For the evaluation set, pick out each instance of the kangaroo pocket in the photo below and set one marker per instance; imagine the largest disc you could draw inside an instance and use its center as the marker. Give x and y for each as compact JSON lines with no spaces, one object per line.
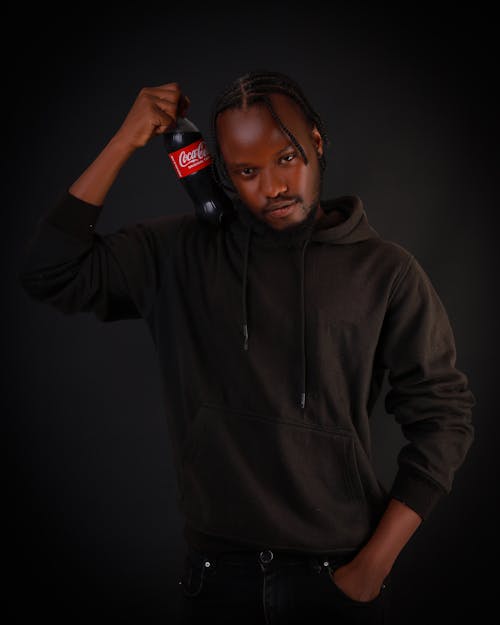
{"x":273,"y":482}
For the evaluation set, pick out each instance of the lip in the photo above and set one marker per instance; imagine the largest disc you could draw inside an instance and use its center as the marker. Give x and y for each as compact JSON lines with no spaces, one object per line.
{"x":281,"y":209}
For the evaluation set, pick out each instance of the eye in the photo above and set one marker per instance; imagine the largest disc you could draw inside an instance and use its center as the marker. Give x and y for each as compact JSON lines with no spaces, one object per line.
{"x":288,"y":158}
{"x":246,"y":172}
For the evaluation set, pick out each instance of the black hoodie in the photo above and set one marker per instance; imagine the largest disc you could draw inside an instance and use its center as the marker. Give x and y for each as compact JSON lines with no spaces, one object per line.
{"x":272,"y":354}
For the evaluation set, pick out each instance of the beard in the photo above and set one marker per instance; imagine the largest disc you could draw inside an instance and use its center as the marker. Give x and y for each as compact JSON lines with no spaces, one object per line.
{"x":289,"y":235}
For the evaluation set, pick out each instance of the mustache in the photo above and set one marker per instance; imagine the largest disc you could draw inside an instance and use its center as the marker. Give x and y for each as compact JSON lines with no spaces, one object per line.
{"x":281,"y":200}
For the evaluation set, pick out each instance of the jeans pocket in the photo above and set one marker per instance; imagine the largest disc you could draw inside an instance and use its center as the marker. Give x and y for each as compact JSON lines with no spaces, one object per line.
{"x":349,"y":600}
{"x":192,"y":577}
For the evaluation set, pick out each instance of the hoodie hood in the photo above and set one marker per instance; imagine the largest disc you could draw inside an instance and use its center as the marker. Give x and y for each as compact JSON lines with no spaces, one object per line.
{"x":353,"y":227}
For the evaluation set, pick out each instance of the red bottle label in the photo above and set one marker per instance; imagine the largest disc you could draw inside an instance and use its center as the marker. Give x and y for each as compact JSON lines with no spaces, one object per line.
{"x":190,"y":159}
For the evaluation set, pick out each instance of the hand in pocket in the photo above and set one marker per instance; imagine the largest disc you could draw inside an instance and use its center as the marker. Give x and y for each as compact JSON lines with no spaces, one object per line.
{"x":357,"y":582}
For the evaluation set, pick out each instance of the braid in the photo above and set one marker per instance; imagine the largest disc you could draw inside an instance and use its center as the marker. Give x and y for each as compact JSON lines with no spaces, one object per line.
{"x":256,"y":87}
{"x":284,"y":128}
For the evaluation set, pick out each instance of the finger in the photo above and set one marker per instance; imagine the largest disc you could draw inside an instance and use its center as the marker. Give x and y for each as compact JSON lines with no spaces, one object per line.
{"x":169,"y":90}
{"x":166,"y":107}
{"x":160,"y":130}
{"x":169,"y":103}
{"x":163,"y":120}
{"x":179,"y":102}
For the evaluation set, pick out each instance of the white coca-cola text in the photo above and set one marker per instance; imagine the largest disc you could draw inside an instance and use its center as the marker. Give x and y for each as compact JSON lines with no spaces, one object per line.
{"x":199,"y":153}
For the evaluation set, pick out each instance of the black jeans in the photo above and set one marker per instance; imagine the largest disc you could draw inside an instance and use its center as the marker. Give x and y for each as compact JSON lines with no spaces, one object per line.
{"x":272,"y":588}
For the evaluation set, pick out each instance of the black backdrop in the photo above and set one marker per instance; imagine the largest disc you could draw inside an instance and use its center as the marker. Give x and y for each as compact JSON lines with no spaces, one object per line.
{"x":92,"y":532}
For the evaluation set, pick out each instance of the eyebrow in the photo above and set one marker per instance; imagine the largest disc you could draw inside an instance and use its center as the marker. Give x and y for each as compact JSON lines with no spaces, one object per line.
{"x":287,"y":147}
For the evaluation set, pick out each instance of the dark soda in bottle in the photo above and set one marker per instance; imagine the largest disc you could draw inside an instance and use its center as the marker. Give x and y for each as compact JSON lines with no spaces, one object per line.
{"x":192,"y":163}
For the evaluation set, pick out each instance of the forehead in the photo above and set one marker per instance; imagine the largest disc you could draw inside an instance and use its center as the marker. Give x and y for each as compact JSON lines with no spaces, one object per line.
{"x":254,"y":127}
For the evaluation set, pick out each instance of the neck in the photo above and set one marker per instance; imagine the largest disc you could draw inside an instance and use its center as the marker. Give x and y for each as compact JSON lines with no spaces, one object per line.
{"x":294,"y":234}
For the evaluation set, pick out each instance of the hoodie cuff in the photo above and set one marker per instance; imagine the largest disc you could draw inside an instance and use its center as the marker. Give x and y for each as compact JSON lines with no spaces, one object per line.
{"x":74,"y":216}
{"x":416,"y":491}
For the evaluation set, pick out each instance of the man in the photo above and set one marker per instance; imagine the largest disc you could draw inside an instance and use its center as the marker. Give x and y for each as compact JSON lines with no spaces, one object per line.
{"x":273,"y":333}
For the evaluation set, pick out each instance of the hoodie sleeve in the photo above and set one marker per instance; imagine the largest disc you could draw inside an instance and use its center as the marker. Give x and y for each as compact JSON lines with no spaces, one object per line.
{"x":70,"y":266}
{"x":429,"y":396}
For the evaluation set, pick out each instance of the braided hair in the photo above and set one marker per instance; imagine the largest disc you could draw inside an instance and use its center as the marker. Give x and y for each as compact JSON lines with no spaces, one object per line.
{"x":257,"y":87}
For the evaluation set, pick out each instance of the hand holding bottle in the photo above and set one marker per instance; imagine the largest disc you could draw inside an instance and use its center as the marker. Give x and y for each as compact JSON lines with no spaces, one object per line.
{"x":154,"y":111}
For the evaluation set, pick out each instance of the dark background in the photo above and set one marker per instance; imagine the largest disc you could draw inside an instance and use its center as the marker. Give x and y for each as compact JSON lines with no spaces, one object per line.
{"x":92,"y":532}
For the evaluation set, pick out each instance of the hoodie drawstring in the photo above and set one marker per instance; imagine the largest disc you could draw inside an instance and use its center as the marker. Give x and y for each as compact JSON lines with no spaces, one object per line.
{"x":303,"y":327}
{"x":302,"y":312}
{"x":244,"y":290}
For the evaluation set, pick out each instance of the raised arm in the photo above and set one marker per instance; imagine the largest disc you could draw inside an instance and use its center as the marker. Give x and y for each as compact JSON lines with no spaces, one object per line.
{"x":154,"y":110}
{"x":70,"y":266}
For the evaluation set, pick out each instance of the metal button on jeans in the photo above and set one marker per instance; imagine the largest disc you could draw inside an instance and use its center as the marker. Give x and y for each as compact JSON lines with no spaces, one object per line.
{"x":266,"y":556}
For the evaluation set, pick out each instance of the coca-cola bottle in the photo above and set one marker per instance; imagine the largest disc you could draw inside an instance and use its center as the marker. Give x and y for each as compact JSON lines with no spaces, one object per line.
{"x":192,"y":164}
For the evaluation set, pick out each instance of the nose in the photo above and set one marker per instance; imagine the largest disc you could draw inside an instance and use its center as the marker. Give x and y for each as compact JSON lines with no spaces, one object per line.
{"x":273,"y":183}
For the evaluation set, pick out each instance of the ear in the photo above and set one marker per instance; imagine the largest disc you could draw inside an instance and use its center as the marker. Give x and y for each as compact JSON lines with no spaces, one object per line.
{"x":317,"y":140}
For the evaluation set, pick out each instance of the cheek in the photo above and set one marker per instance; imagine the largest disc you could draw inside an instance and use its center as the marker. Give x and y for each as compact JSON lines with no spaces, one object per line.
{"x":248,"y":190}
{"x":302,"y":177}
{"x":306,"y":180}
{"x":314,"y":174}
